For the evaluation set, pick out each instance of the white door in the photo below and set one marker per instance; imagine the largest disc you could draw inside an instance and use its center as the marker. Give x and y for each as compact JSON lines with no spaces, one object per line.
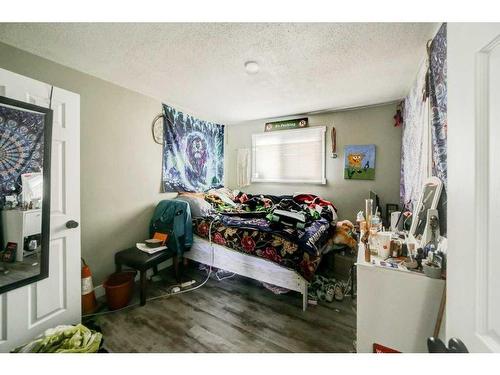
{"x":28,"y":311}
{"x":473,"y":306}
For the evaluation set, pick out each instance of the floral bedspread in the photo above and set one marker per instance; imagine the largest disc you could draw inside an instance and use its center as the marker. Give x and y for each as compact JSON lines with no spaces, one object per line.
{"x":261,"y":243}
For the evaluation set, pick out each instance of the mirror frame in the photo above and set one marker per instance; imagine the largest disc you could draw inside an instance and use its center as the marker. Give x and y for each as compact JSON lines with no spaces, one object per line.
{"x":47,"y":146}
{"x":435,"y":200}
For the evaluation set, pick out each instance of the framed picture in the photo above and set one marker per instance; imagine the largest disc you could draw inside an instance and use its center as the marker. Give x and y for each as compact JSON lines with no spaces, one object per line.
{"x":359,"y":162}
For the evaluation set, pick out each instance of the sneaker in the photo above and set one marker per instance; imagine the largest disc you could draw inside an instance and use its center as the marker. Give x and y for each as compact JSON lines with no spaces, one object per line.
{"x":330,"y":292}
{"x":338,"y":293}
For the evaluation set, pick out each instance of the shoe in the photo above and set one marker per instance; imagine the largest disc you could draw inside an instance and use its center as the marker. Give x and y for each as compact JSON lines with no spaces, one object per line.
{"x":338,"y":293}
{"x":330,"y":292}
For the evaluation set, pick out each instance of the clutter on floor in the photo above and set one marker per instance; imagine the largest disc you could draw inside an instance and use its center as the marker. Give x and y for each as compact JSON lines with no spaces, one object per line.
{"x":327,"y":289}
{"x":64,"y":339}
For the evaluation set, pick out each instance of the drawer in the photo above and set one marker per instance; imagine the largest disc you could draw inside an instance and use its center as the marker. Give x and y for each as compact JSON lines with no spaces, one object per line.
{"x":32,"y":223}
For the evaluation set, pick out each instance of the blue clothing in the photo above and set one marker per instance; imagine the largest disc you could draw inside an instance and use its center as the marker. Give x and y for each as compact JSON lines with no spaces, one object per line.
{"x":173,"y":217}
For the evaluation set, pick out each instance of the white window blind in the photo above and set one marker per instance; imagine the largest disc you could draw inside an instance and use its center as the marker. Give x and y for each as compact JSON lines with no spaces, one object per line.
{"x":294,"y":156}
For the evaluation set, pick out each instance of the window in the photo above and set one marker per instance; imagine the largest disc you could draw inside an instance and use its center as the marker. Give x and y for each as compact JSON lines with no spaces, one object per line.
{"x":293,"y":156}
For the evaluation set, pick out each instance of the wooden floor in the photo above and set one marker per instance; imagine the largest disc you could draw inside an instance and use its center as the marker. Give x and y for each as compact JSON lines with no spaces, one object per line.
{"x":233,"y":315}
{"x":13,"y":272}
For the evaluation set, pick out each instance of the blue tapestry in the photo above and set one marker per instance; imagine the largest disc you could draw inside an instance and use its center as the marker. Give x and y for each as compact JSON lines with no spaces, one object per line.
{"x":439,"y":123}
{"x":21,"y":147}
{"x":193,"y":153}
{"x":438,"y":97}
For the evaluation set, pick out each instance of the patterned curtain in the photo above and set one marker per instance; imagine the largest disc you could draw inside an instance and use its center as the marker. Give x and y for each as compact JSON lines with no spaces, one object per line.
{"x":414,"y":144}
{"x":422,"y":116}
{"x":438,"y":101}
{"x":439,"y":122}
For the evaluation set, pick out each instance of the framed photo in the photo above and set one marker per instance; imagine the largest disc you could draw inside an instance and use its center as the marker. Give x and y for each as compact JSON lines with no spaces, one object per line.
{"x":359,"y":162}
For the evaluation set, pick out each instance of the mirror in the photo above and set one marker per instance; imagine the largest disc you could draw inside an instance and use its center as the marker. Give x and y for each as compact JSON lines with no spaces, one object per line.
{"x":429,"y":198}
{"x":25,"y":140}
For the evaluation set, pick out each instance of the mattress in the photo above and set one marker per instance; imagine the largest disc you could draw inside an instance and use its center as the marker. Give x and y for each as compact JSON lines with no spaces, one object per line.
{"x":253,"y":237}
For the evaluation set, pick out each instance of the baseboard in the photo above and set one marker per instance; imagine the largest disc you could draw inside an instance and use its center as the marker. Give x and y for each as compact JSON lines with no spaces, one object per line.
{"x":99,"y":289}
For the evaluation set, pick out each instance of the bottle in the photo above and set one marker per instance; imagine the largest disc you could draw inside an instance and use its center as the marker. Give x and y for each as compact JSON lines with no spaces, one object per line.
{"x":368,"y":212}
{"x":360,"y":220}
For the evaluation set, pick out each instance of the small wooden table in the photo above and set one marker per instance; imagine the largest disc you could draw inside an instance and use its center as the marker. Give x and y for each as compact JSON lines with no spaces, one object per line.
{"x":142,"y":261}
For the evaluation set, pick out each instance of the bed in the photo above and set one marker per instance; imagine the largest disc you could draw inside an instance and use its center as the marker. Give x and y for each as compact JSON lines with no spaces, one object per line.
{"x":247,"y":241}
{"x":246,"y":265}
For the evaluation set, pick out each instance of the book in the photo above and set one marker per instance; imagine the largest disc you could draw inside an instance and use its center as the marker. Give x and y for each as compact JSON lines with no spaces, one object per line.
{"x":149,"y":250}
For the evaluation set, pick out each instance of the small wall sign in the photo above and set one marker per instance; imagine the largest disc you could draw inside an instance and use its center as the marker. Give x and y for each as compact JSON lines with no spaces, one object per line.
{"x":287,"y":124}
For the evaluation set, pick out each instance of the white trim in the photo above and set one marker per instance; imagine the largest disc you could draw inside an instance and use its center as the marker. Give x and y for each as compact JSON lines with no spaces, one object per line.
{"x":247,"y":265}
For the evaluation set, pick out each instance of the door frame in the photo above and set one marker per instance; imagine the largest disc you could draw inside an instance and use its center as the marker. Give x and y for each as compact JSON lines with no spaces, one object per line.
{"x":470,"y":303}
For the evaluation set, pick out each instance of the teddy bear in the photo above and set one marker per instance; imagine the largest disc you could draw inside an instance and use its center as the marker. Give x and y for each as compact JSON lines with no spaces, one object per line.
{"x":344,"y":234}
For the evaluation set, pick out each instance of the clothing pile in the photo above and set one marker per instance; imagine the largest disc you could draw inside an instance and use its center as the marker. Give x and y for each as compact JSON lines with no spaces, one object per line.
{"x":64,"y":339}
{"x":239,"y":203}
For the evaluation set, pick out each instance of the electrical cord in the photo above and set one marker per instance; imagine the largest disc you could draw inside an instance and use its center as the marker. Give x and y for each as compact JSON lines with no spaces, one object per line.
{"x":223,"y":277}
{"x":217,"y":217}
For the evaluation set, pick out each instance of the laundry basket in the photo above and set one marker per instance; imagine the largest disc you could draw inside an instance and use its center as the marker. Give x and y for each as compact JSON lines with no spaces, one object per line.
{"x":119,"y":289}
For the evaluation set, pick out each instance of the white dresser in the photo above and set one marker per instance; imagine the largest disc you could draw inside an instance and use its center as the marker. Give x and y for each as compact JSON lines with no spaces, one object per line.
{"x":18,"y":224}
{"x":397,"y":309}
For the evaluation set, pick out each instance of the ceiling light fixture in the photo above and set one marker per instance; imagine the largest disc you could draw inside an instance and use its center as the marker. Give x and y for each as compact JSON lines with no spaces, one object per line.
{"x":251,"y":67}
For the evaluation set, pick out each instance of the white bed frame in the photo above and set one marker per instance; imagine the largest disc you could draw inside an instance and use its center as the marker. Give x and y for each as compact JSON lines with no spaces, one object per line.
{"x":247,"y":265}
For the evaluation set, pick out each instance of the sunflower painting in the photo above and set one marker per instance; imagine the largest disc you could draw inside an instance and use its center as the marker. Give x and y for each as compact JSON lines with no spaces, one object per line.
{"x":359,"y":162}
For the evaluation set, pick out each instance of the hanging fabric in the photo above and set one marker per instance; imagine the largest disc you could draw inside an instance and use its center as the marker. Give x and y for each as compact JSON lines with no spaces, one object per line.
{"x":415,"y":141}
{"x":438,"y":102}
{"x":424,"y":149}
{"x":193,"y":153}
{"x":243,"y":172}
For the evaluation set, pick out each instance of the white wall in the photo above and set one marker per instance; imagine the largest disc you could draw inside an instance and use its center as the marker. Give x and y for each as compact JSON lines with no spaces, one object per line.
{"x":373,"y":125}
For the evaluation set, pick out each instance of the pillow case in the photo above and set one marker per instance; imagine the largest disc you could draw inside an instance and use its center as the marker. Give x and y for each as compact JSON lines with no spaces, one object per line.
{"x":199,"y":206}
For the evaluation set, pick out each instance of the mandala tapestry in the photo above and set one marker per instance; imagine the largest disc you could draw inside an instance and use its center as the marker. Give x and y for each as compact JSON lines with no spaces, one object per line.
{"x":21,"y":147}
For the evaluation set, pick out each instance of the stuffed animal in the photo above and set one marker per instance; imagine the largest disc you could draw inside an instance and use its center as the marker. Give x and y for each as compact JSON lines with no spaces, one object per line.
{"x":344,"y":235}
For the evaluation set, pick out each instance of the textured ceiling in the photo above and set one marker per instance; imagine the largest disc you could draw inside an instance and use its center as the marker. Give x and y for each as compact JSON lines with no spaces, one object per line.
{"x":200,"y":67}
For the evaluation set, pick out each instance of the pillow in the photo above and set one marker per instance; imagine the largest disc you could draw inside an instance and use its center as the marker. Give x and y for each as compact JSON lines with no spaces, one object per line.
{"x":186,"y":193}
{"x":199,"y":207}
